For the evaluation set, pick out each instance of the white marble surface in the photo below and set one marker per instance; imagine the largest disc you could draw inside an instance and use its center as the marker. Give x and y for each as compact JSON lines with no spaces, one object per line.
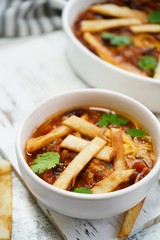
{"x":27,"y":76}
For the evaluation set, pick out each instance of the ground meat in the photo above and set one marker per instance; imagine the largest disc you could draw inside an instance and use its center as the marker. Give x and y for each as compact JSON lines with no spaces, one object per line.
{"x":95,"y":171}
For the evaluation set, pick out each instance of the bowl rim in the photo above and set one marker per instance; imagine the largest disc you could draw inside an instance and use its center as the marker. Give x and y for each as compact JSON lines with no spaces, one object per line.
{"x":82,"y":196}
{"x":70,"y":34}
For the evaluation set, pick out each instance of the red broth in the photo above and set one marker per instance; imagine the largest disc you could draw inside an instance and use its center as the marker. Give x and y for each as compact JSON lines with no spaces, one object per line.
{"x":138,"y":151}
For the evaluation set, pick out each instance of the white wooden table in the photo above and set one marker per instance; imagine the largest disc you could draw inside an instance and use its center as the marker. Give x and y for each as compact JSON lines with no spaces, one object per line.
{"x":32,"y":69}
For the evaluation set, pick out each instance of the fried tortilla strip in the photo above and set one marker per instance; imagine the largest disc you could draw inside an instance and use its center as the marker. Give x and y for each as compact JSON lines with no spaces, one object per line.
{"x":34,"y":144}
{"x":129,"y":220}
{"x":102,"y":51}
{"x":157,"y":71}
{"x":5,"y":200}
{"x":83,"y":126}
{"x":119,"y":162}
{"x":105,"y":53}
{"x":143,"y":28}
{"x":98,"y":25}
{"x":111,"y":182}
{"x":78,"y":163}
{"x":118,"y":11}
{"x":77,"y":144}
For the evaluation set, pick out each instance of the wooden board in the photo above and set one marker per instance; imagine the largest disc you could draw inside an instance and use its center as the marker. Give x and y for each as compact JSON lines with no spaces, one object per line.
{"x":71,"y":228}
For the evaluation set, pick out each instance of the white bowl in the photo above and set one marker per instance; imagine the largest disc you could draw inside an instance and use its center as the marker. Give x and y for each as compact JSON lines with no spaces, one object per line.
{"x":98,"y":73}
{"x":89,"y":206}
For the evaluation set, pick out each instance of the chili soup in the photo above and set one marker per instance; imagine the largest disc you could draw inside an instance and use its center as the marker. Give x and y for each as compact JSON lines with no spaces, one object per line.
{"x":90,"y":150}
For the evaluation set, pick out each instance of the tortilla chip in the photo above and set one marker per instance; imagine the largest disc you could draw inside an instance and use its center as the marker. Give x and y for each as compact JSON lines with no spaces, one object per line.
{"x":5,"y":166}
{"x":129,"y":220}
{"x":82,"y":126}
{"x":111,"y":182}
{"x":34,"y":144}
{"x":119,"y":11}
{"x":77,"y":144}
{"x":102,"y":51}
{"x":98,"y":25}
{"x":119,"y":162}
{"x":78,"y":163}
{"x":106,"y":54}
{"x":146,"y":28}
{"x":5,"y":200}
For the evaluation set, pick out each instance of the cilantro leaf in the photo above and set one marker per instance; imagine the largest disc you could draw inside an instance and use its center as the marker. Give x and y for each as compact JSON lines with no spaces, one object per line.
{"x":82,"y":190}
{"x":148,"y":63}
{"x":45,"y":161}
{"x":103,"y":121}
{"x":116,"y":39}
{"x":111,"y":119}
{"x":154,"y":17}
{"x":134,"y":132}
{"x":120,"y":40}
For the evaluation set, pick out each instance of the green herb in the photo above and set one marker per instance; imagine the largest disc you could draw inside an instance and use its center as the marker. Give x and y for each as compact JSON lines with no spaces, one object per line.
{"x":45,"y":161}
{"x":120,"y":40}
{"x":112,"y":119}
{"x":148,"y":63}
{"x":154,"y":17}
{"x":134,"y":132}
{"x":82,"y":190}
{"x":116,"y":40}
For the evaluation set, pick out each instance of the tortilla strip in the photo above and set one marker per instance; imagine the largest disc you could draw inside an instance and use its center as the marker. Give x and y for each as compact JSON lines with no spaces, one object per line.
{"x":5,"y":167}
{"x":149,"y":28}
{"x":118,"y":11}
{"x":102,"y":51}
{"x":78,"y":163}
{"x":5,"y":200}
{"x":119,"y":162}
{"x":83,"y":126}
{"x":34,"y":144}
{"x":98,"y":25}
{"x":111,"y":182}
{"x":105,"y":53}
{"x":129,"y":220}
{"x":77,"y":144}
{"x":157,"y":71}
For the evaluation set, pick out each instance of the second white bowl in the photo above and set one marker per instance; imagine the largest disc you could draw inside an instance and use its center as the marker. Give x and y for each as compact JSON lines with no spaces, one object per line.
{"x":98,"y":73}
